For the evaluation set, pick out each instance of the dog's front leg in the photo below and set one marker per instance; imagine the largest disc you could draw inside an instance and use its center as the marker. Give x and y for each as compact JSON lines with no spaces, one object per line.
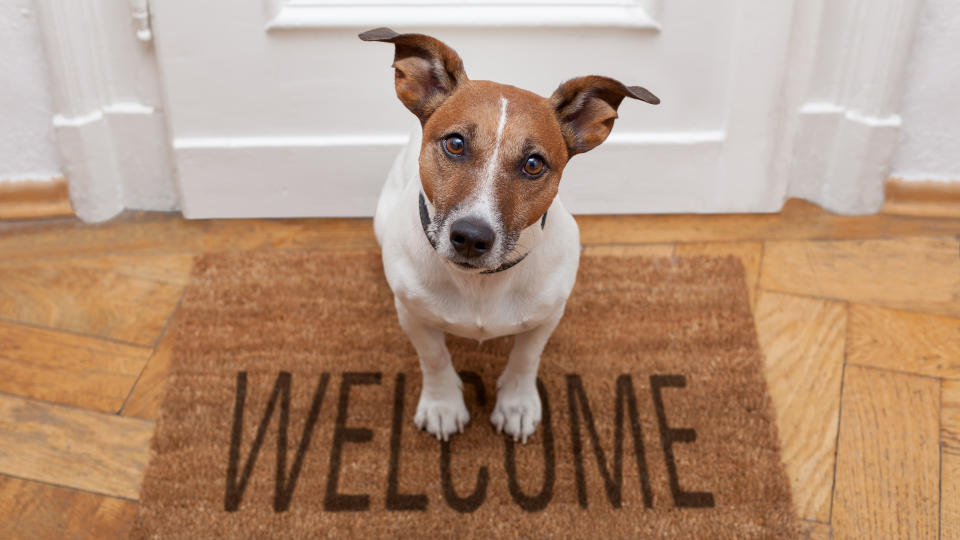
{"x":518,"y":411}
{"x":441,"y":409}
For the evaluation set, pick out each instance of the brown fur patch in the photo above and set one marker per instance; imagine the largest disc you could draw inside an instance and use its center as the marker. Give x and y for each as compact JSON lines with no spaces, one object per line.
{"x":426,"y":69}
{"x":587,"y":107}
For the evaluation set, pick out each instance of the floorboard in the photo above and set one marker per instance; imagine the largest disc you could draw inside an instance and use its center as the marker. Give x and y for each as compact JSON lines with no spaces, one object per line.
{"x":93,"y":302}
{"x":67,"y":368}
{"x":950,"y":456}
{"x":70,"y":447}
{"x":913,"y":273}
{"x":34,"y":511}
{"x":888,"y":461}
{"x":905,"y":341}
{"x":803,"y":341}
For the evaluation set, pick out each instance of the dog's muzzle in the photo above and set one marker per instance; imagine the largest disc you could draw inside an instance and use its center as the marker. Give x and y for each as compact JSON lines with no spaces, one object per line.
{"x":469,"y":236}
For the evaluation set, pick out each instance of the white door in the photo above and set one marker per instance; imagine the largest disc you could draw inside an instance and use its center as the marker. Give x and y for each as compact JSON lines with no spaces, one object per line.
{"x":276,"y":108}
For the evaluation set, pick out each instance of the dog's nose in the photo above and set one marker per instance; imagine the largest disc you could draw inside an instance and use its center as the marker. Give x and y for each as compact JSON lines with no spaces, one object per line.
{"x":471,"y":237}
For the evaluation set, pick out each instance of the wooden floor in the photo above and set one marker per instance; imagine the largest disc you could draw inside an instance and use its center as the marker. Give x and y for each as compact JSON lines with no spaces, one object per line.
{"x":859,"y":319}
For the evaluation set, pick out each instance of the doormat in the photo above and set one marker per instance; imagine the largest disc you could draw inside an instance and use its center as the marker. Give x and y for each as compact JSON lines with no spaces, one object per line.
{"x":289,"y":412}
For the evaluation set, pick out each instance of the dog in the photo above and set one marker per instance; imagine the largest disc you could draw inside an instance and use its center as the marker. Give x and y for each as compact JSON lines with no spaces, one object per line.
{"x":475,"y":241}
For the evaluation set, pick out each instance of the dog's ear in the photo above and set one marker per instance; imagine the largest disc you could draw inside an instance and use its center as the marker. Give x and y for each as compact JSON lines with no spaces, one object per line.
{"x":426,"y":70}
{"x":587,"y":106}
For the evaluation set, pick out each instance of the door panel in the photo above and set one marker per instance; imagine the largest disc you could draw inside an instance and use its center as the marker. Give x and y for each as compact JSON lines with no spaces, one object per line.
{"x":277,"y":109}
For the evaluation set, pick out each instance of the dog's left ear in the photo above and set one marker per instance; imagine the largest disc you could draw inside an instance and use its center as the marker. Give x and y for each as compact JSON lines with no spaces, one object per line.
{"x":587,"y":106}
{"x":427,"y":70}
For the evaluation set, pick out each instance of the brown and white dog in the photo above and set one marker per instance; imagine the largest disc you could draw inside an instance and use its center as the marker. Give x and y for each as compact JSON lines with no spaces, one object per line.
{"x":475,"y":240}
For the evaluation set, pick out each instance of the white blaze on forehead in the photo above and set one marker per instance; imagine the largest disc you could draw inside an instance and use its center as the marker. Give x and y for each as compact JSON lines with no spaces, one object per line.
{"x":492,"y":164}
{"x":485,"y":186}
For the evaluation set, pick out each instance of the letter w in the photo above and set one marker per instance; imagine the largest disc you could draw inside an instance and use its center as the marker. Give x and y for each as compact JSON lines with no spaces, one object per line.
{"x":613,"y":483}
{"x":284,"y":484}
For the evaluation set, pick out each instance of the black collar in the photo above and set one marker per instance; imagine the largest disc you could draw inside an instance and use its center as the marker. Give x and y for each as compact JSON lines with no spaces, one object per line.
{"x":425,"y":223}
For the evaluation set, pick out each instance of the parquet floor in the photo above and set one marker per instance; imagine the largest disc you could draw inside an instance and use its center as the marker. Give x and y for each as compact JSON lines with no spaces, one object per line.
{"x":859,"y":318}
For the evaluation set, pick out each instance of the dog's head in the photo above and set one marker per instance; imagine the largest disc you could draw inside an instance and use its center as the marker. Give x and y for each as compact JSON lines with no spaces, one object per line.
{"x":493,"y":154}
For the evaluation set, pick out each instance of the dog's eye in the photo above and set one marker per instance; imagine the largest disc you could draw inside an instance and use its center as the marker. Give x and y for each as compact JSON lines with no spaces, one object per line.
{"x":454,"y":144}
{"x":533,"y":165}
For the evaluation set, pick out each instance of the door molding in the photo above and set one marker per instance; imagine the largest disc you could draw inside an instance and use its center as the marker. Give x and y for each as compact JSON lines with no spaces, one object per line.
{"x":848,"y":61}
{"x":108,"y":122}
{"x":300,"y":14}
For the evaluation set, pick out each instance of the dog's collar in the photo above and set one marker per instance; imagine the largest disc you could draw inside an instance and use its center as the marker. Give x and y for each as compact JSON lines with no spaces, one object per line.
{"x":425,"y":223}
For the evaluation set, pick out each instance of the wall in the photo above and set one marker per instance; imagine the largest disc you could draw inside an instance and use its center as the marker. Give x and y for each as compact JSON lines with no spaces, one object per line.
{"x":27,"y":147}
{"x":930,"y":142}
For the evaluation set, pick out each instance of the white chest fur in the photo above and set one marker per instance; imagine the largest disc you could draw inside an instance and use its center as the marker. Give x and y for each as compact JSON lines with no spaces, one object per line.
{"x":480,"y":307}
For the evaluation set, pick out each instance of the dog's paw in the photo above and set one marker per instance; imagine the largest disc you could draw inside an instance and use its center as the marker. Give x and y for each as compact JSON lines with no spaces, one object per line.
{"x":442,"y":416}
{"x":518,"y":411}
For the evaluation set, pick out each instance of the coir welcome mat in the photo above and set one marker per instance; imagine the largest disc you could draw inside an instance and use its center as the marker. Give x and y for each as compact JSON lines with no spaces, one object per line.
{"x":289,"y":412}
